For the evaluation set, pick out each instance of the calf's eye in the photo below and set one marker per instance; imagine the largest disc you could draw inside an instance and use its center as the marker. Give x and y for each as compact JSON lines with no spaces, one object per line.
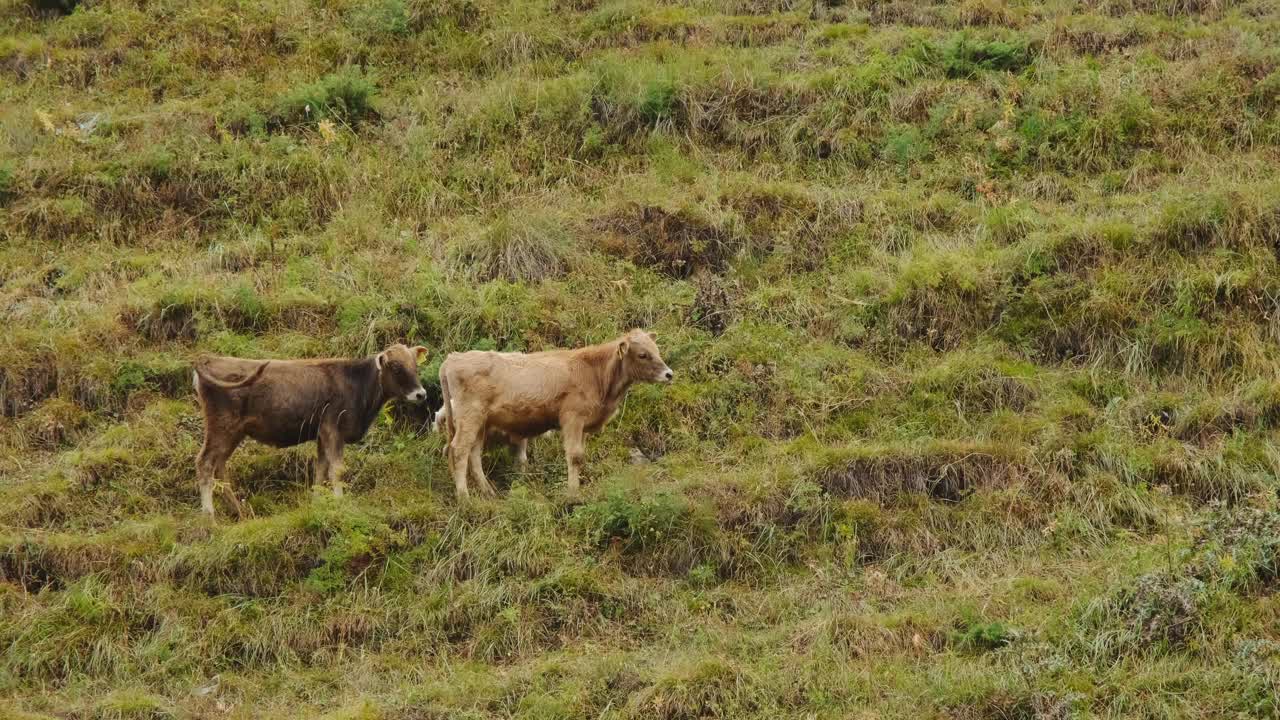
{"x":644,"y":356}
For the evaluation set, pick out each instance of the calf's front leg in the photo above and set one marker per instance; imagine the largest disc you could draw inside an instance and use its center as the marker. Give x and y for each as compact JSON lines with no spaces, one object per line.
{"x":522,"y":454}
{"x":476,"y":462}
{"x":329,"y":446}
{"x":574,"y":453}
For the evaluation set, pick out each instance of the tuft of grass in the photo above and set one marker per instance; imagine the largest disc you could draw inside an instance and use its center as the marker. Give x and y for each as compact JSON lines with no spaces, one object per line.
{"x":345,"y":97}
{"x":963,"y":56}
{"x":8,"y":183}
{"x":515,"y":249}
{"x":945,"y":471}
{"x":677,"y":241}
{"x":698,"y":687}
{"x":378,"y":19}
{"x":976,"y":635}
{"x":132,"y":705}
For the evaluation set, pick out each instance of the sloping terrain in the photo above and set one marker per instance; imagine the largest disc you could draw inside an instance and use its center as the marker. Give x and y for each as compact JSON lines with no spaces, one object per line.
{"x":973,"y":308}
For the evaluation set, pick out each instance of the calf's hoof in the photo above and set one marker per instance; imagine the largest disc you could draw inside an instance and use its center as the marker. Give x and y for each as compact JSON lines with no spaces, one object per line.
{"x":568,"y":505}
{"x":242,"y":508}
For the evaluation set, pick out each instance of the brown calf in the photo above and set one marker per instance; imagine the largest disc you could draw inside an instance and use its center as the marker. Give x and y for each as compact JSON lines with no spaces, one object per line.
{"x":289,"y":402}
{"x":525,"y":395}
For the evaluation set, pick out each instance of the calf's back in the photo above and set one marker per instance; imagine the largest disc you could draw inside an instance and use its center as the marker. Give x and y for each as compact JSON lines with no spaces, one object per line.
{"x":291,"y":399}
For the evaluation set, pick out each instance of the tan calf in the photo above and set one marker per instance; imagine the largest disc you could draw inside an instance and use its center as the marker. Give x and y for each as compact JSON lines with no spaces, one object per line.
{"x":525,"y":395}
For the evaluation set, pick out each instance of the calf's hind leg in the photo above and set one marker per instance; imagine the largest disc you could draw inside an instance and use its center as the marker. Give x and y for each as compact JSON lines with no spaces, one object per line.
{"x":466,"y":437}
{"x":211,"y":466}
{"x":477,"y":470}
{"x":205,"y":464}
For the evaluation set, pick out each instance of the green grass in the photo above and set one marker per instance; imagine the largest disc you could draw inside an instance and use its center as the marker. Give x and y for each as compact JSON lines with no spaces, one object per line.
{"x":972,"y":308}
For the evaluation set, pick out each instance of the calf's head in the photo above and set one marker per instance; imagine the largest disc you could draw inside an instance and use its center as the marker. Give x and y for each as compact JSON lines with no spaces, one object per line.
{"x":398,"y":372}
{"x":641,"y":360}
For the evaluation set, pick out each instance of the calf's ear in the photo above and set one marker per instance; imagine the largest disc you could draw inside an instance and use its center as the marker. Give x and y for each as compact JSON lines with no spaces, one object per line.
{"x":420,"y":353}
{"x":622,"y":348}
{"x":380,"y":360}
{"x":653,"y":337}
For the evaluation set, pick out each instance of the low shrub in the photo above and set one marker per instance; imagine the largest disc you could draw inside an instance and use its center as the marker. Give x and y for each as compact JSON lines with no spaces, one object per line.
{"x":977,"y":636}
{"x":345,"y":97}
{"x":1160,"y":612}
{"x":633,"y":525}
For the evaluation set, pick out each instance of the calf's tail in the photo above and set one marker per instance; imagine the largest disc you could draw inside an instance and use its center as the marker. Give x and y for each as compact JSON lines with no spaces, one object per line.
{"x":205,"y":377}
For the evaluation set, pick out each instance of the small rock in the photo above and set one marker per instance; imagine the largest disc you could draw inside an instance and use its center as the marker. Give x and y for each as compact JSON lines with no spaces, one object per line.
{"x":637,"y":457}
{"x":88,"y":123}
{"x":211,"y":687}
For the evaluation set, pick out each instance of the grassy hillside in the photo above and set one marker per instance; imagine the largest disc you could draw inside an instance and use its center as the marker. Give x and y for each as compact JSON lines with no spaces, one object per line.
{"x":973,"y":307}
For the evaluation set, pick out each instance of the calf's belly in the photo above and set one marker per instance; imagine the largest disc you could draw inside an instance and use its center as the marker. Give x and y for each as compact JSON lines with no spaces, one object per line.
{"x":525,"y":425}
{"x":283,"y":434}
